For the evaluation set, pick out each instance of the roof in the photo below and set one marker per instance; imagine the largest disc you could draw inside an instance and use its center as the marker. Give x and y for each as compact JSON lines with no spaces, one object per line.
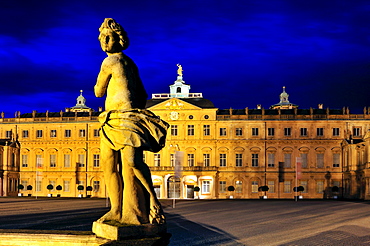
{"x":199,"y":102}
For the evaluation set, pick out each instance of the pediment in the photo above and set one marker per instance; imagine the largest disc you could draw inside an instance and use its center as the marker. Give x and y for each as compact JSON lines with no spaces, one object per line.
{"x":173,"y":104}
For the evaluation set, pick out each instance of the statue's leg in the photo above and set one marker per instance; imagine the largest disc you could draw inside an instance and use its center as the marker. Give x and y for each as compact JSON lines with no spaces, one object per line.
{"x":135,"y":208}
{"x":113,"y":182}
{"x":142,"y":172}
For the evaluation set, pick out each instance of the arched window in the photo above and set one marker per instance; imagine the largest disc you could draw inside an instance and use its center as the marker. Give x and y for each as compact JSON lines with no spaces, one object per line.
{"x":173,"y":184}
{"x":178,"y":90}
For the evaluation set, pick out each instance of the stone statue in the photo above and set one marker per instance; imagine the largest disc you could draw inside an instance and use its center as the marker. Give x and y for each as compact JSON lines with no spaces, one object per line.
{"x":127,"y":129}
{"x":179,"y":70}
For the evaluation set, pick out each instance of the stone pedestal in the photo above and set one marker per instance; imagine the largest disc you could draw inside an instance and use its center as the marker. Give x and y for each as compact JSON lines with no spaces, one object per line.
{"x":119,"y":232}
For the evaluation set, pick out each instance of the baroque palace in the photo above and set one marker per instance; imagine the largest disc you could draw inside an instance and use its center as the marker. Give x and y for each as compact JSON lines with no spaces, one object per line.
{"x":232,"y":153}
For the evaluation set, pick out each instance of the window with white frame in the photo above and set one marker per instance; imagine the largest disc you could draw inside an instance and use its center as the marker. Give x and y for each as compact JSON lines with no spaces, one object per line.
{"x":82,"y":133}
{"x":207,"y":130}
{"x":271,"y":185}
{"x":320,"y":131}
{"x":356,"y":131}
{"x":96,"y":160}
{"x":81,"y":160}
{"x":238,"y":160}
{"x":320,"y":160}
{"x":271,"y":159}
{"x":238,"y":186}
{"x":303,"y":132}
{"x":157,"y":160}
{"x":287,"y":186}
{"x":304,"y":160}
{"x":287,"y":131}
{"x":239,"y":132}
{"x":53,"y":160}
{"x":206,"y":186}
{"x":254,"y":131}
{"x":190,"y":160}
{"x":336,"y":132}
{"x":8,"y":134}
{"x":222,"y":160}
{"x":287,"y":160}
{"x":320,"y":186}
{"x":96,"y":185}
{"x":39,"y":161}
{"x":66,"y":185}
{"x":39,"y":133}
{"x":25,"y":134}
{"x":222,"y":131}
{"x":24,"y":160}
{"x":67,"y":160}
{"x":174,"y":130}
{"x":53,"y":133}
{"x":336,"y":159}
{"x":271,"y":132}
{"x":67,"y":133}
{"x":222,"y":186}
{"x":254,"y":186}
{"x":190,"y":130}
{"x":206,"y":160}
{"x":255,"y":160}
{"x":96,"y":133}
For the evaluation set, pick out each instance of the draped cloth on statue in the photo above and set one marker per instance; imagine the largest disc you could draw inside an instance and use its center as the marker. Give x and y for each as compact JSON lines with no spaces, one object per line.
{"x":136,"y":128}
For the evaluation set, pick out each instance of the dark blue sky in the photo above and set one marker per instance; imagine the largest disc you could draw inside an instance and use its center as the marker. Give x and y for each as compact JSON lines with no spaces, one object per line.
{"x":237,"y":53}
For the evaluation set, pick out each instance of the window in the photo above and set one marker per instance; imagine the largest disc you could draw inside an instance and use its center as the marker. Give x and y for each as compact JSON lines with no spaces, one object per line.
{"x":222,"y":160}
{"x":239,"y":131}
{"x":25,"y":184}
{"x":271,"y":159}
{"x":254,"y":186}
{"x":38,"y":161}
{"x":172,"y":160}
{"x":320,"y":186}
{"x":206,"y":160}
{"x":82,"y":133}
{"x":238,"y":186}
{"x":53,"y":160}
{"x":157,"y":160}
{"x":304,"y":160}
{"x":304,"y":184}
{"x":287,"y":131}
{"x":67,"y":133}
{"x":8,"y":134}
{"x":25,"y":133}
{"x":222,"y":131}
{"x":96,"y":160}
{"x":207,"y":130}
{"x":206,"y":186}
{"x":190,"y":160}
{"x":24,"y":160}
{"x":271,"y":132}
{"x":173,"y":130}
{"x":303,"y":132}
{"x":39,"y":133}
{"x":254,"y":160}
{"x":336,"y":160}
{"x":67,"y":160}
{"x":336,"y":132}
{"x":320,"y":160}
{"x":356,"y":132}
{"x":38,"y":185}
{"x":190,"y":130}
{"x":96,"y":186}
{"x":320,"y":131}
{"x":66,"y":185}
{"x":238,"y":160}
{"x":53,"y":183}
{"x":53,"y":133}
{"x":222,"y":186}
{"x":81,"y":160}
{"x":287,"y":187}
{"x":96,"y":133}
{"x":254,"y":131}
{"x":271,"y":185}
{"x":287,"y":160}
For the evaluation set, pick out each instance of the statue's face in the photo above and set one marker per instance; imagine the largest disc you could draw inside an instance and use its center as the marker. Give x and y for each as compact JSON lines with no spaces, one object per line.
{"x":109,"y":41}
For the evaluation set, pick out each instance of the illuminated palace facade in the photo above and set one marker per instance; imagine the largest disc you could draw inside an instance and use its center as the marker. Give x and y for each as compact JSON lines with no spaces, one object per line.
{"x":226,"y":153}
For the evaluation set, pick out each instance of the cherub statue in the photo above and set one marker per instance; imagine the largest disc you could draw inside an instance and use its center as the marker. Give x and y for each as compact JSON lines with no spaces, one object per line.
{"x":179,"y":70}
{"x":127,"y":129}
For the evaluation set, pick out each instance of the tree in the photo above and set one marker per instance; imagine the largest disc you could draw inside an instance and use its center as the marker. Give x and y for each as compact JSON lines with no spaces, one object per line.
{"x":20,"y":187}
{"x":80,"y":188}
{"x":29,"y":188}
{"x":231,"y":188}
{"x":58,"y":188}
{"x":196,"y":189}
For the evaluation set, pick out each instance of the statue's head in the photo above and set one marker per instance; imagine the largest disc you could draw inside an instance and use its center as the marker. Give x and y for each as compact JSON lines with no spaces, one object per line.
{"x":112,"y":37}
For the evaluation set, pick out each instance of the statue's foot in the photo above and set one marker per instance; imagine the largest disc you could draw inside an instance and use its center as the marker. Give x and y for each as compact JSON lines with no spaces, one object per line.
{"x":156,"y":215}
{"x":111,"y":215}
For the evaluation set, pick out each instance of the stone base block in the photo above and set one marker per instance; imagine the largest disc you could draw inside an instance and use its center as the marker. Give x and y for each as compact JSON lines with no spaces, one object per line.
{"x":121,"y":232}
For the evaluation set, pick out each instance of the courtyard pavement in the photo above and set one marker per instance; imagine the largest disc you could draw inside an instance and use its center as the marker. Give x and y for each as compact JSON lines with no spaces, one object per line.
{"x":211,"y":222}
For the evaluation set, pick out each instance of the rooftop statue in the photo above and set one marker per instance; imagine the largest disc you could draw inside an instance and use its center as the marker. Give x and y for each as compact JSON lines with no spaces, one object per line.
{"x":127,"y":129}
{"x":179,"y":70}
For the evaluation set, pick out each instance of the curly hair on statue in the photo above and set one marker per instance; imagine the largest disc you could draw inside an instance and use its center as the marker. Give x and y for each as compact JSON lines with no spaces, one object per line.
{"x":111,"y":24}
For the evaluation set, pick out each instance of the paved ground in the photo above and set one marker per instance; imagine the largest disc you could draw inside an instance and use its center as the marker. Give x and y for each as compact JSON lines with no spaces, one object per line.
{"x":212,"y":222}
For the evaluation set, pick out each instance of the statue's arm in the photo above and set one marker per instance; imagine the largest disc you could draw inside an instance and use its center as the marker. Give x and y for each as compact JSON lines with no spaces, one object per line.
{"x":103,"y":79}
